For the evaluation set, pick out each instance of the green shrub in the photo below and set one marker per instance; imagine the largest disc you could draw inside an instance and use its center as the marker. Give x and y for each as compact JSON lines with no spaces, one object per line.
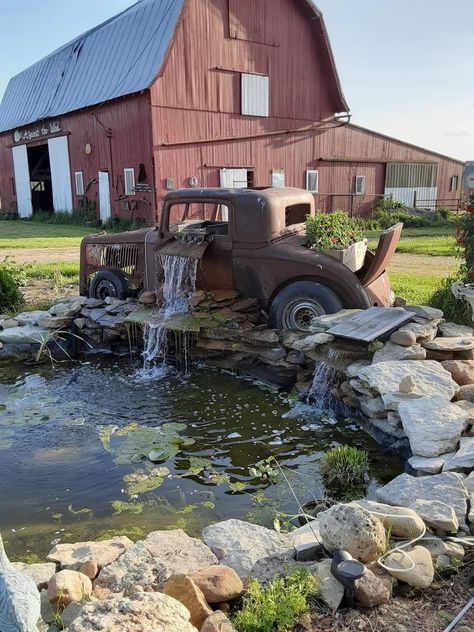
{"x":455,"y":310}
{"x":344,"y":466}
{"x":278,"y":606}
{"x":124,"y":224}
{"x":81,"y":216}
{"x":331,"y":230}
{"x":11,"y":298}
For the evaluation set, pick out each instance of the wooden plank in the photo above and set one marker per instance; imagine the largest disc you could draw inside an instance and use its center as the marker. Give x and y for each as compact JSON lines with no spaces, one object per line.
{"x":371,"y":324}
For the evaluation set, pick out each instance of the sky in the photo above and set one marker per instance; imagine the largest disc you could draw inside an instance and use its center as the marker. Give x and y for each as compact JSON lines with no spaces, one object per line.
{"x":405,"y":65}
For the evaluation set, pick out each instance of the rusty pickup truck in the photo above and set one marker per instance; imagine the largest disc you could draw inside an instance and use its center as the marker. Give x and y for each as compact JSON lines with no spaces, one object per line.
{"x":248,"y":240}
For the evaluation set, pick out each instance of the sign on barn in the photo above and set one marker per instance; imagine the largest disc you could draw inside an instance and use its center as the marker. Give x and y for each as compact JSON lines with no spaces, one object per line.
{"x":39,"y":131}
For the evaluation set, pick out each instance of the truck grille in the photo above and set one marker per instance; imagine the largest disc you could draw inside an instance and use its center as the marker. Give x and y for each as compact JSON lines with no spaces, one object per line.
{"x":121,"y":257}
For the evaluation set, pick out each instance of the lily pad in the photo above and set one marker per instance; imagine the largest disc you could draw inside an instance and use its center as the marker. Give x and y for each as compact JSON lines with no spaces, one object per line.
{"x":140,"y":482}
{"x":197,"y":465}
{"x":158,"y":456}
{"x":158,"y":444}
{"x":119,"y":506}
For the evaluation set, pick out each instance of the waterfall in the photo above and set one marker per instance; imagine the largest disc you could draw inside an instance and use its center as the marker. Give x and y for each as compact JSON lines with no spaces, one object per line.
{"x":180,"y":275}
{"x":325,"y":379}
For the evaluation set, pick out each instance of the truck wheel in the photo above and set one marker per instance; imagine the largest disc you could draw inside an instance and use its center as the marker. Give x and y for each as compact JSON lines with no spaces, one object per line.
{"x":107,"y":283}
{"x":298,"y":303}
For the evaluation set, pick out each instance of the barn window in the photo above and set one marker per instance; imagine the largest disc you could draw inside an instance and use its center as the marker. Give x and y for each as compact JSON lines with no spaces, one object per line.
{"x":360,"y":185}
{"x":255,"y":95}
{"x":129,"y":178}
{"x":312,"y":181}
{"x":453,"y":184}
{"x":79,"y":178}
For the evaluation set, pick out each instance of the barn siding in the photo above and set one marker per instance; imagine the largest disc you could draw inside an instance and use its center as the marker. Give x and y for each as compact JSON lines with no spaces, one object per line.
{"x":128,"y":120}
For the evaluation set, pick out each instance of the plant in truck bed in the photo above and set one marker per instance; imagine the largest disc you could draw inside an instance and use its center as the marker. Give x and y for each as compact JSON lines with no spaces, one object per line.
{"x":332,"y":231}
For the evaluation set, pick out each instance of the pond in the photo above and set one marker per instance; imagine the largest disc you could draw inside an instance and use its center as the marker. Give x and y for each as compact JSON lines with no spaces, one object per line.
{"x":76,"y":442}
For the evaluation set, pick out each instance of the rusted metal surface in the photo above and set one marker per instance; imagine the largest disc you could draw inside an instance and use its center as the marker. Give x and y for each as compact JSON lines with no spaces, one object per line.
{"x":386,"y":249}
{"x":258,"y":254}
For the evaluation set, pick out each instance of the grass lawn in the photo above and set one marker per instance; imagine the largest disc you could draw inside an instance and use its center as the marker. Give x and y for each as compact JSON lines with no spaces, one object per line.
{"x":416,"y":288}
{"x":27,"y":234}
{"x":437,"y":241}
{"x":54,"y":271}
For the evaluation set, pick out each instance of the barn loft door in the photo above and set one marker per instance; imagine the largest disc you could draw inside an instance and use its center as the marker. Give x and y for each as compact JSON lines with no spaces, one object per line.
{"x":22,"y":181}
{"x":104,"y":196}
{"x":60,"y":174}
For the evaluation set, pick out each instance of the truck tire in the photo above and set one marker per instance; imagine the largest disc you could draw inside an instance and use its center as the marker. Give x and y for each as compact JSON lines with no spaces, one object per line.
{"x":294,"y":307}
{"x":109,"y":283}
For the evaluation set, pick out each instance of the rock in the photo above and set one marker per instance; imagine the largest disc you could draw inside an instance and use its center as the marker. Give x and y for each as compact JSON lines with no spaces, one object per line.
{"x":407,"y":385}
{"x":30,"y":319}
{"x":245,"y":544}
{"x":354,"y":368}
{"x":466,"y":393}
{"x":423,"y":311}
{"x":265,"y":338}
{"x":370,"y":591}
{"x":395,"y":352}
{"x":430,"y":378}
{"x":423,"y":332}
{"x":56,"y":322}
{"x":329,"y":589}
{"x":245,"y":305}
{"x":90,"y":569}
{"x":403,"y":337}
{"x":400,"y":567}
{"x":265,"y":569}
{"x":153,"y":561}
{"x":468,"y":408}
{"x":372,"y":407}
{"x":69,"y":614}
{"x":437,"y":514}
{"x":80,"y":323}
{"x":402,"y":522}
{"x":464,"y":457}
{"x":450,"y":344}
{"x":68,"y":586}
{"x":66,"y":309}
{"x":462,"y":371}
{"x":218,"y":583}
{"x":47,"y":613}
{"x":311,"y":342}
{"x":433,"y":425}
{"x":354,"y":530}
{"x":404,"y":490}
{"x":71,"y":556}
{"x":220,"y":296}
{"x":23,"y":335}
{"x":9,"y":323}
{"x":92,"y":303}
{"x":217,"y":622}
{"x":39,"y":573}
{"x":142,"y":612}
{"x":443,"y":562}
{"x":391,"y":401}
{"x":469,"y":483}
{"x":183,"y":589}
{"x":453,"y":330}
{"x":437,"y":547}
{"x":429,"y":465}
{"x":147,"y":298}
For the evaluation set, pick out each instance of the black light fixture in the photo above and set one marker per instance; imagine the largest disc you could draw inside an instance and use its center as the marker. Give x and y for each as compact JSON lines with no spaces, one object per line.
{"x":346,"y":570}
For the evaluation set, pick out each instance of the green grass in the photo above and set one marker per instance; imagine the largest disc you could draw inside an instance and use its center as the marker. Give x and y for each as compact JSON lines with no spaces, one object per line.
{"x":28,"y":234}
{"x":70,"y":271}
{"x":437,"y":241}
{"x":418,"y":289}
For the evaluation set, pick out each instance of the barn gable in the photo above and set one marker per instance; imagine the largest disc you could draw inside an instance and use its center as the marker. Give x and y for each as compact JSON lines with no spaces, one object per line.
{"x":119,"y":57}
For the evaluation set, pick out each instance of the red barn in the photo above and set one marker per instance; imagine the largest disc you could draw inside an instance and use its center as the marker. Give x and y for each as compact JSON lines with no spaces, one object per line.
{"x":191,"y":93}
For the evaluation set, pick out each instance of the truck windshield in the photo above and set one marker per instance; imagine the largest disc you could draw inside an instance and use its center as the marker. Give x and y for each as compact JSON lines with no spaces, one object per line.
{"x":202,"y":217}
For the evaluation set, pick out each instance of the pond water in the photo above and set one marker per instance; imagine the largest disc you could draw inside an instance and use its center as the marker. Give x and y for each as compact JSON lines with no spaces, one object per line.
{"x":75,"y":442}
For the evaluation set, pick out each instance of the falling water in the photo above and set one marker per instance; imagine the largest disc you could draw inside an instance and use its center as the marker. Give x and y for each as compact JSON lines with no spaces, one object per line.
{"x":180,"y":275}
{"x":320,"y":396}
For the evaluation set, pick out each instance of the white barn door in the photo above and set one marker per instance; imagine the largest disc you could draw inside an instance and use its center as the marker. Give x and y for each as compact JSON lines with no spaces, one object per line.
{"x":22,"y":181}
{"x":234,"y":178}
{"x":104,"y":196}
{"x":60,"y":174}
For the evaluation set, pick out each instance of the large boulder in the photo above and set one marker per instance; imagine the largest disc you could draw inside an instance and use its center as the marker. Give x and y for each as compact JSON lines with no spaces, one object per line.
{"x":464,"y":457}
{"x":450,"y":345}
{"x":353,"y":529}
{"x":453,"y":330}
{"x":39,"y":573}
{"x":429,"y":465}
{"x":436,"y":514}
{"x":151,"y":562}
{"x":218,"y":583}
{"x":404,"y":490}
{"x":433,"y":425}
{"x":68,"y":586}
{"x":71,"y":556}
{"x":413,"y":567}
{"x":466,"y":393}
{"x":182,"y":588}
{"x":400,"y":521}
{"x":462,"y":371}
{"x":141,"y":612}
{"x":243,"y":544}
{"x":429,"y":378}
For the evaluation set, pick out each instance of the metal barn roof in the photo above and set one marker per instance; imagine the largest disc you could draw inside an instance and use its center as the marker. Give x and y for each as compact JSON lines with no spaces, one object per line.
{"x":119,"y":57}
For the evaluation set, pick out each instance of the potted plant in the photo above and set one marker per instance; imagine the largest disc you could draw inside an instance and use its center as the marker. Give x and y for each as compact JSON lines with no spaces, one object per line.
{"x":338,"y":235}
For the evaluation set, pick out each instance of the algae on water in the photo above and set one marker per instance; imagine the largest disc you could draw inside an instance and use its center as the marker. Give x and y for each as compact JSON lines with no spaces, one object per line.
{"x":140,"y":482}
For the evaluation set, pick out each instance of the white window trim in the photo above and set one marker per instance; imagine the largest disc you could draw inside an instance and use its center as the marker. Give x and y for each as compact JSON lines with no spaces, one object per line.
{"x":79,"y":182}
{"x":127,"y":190}
{"x":362,"y":191}
{"x":309,"y":173}
{"x":255,"y":98}
{"x":452,"y":188}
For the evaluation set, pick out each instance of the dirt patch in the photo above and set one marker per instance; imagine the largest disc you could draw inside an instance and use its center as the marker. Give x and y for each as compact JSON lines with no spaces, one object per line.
{"x":421,"y":610}
{"x":44,"y":292}
{"x":41,"y":255}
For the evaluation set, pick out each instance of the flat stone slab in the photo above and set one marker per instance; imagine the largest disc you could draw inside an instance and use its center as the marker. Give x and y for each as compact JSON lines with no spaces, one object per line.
{"x":429,"y":465}
{"x":71,"y":556}
{"x":464,"y":457}
{"x":429,"y":377}
{"x":453,"y":330}
{"x":392,"y":351}
{"x":450,"y":344}
{"x":437,"y":514}
{"x":405,"y":490}
{"x":423,"y":311}
{"x":30,"y":318}
{"x":39,"y":573}
{"x":24,"y":335}
{"x":433,"y":425}
{"x":392,"y":401}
